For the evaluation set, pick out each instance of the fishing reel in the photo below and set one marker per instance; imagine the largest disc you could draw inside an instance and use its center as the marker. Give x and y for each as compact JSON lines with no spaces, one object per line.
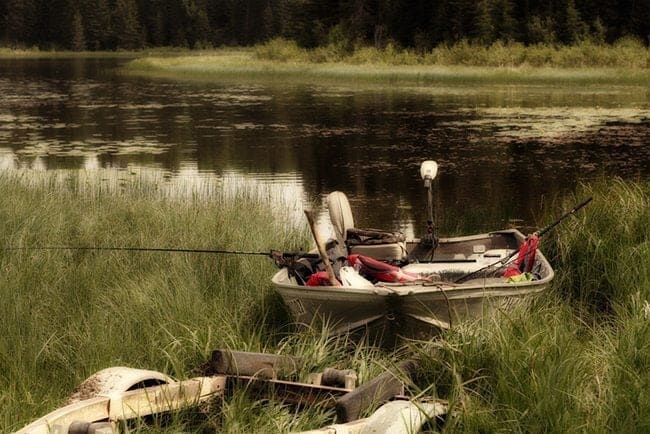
{"x":287,"y":259}
{"x":284,"y":259}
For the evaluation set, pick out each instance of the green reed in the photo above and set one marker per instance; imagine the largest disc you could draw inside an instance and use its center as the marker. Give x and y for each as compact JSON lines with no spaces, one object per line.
{"x":575,"y":359}
{"x":68,"y":314}
{"x":603,"y":254}
{"x":278,"y":60}
{"x":625,"y":53}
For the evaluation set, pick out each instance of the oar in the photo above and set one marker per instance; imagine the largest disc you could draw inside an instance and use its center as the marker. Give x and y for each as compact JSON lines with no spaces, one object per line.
{"x":538,"y":233}
{"x":321,"y":249}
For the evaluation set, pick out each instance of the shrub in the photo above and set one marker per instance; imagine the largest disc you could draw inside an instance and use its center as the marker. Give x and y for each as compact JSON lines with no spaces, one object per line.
{"x":282,"y":50}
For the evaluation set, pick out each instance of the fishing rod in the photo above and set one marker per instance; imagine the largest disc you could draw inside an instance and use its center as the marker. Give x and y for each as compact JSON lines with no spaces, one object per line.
{"x":276,"y":255}
{"x":547,"y":228}
{"x":538,"y":233}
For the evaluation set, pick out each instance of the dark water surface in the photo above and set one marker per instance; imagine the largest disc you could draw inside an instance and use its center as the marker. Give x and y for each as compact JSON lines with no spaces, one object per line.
{"x":497,"y":146}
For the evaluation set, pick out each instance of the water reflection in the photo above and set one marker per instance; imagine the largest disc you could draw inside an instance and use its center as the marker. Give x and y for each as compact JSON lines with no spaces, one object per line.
{"x":497,"y":146}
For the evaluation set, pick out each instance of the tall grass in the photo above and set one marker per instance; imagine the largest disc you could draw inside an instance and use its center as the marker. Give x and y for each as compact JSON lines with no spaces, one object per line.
{"x":577,"y":359}
{"x":35,"y":52}
{"x":604,"y":255}
{"x":67,"y":314}
{"x":625,"y":53}
{"x":625,"y":63}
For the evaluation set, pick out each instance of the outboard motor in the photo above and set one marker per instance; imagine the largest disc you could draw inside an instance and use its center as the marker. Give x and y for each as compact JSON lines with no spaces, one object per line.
{"x":428,"y":171}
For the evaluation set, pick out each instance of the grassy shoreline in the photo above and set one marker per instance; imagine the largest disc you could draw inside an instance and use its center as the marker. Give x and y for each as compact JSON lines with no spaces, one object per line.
{"x":35,"y":53}
{"x":626,"y":62}
{"x":460,"y":64}
{"x":626,"y":53}
{"x":579,"y":357}
{"x":214,"y":68}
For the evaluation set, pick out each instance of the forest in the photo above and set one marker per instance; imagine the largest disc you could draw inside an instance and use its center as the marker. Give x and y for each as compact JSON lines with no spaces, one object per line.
{"x":419,"y":24}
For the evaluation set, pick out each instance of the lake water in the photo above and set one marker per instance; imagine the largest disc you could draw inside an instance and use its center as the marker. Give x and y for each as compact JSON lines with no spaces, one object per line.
{"x":497,"y":146}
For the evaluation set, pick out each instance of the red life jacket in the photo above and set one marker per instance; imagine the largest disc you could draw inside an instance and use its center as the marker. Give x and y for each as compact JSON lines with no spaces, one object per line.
{"x":320,"y":278}
{"x":381,"y":271}
{"x":525,"y":257}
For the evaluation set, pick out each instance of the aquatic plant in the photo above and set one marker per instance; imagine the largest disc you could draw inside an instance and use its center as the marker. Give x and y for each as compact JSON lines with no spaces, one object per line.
{"x":460,"y":63}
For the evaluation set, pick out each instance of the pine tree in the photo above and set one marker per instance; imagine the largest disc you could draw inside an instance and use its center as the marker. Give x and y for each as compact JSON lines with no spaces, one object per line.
{"x":599,"y":31}
{"x":55,"y":23}
{"x":220,"y":17}
{"x":638,"y":22}
{"x":97,"y":24}
{"x":455,"y":20}
{"x":109,"y":24}
{"x":505,"y":26}
{"x":3,"y":21}
{"x":268,"y":22}
{"x":197,"y":23}
{"x":126,"y":27}
{"x":296,"y":21}
{"x":157,"y":31}
{"x":541,"y":30}
{"x":176,"y":24}
{"x":20,"y":24}
{"x":78,"y":42}
{"x":153,"y":20}
{"x":484,"y":23}
{"x":575,"y":30}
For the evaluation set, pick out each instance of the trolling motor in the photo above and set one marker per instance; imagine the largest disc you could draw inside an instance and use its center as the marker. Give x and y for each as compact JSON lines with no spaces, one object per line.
{"x":428,"y":171}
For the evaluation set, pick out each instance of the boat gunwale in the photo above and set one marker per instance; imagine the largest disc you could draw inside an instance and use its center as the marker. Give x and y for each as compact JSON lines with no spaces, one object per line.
{"x":449,"y":289}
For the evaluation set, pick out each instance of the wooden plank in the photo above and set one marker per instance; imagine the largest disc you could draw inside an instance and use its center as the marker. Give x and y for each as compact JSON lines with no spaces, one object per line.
{"x":251,"y":364}
{"x":321,"y":249}
{"x":288,"y":391}
{"x":373,"y":393}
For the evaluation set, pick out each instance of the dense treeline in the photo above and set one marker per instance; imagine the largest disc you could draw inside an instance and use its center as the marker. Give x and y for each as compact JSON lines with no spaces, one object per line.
{"x":420,"y":24}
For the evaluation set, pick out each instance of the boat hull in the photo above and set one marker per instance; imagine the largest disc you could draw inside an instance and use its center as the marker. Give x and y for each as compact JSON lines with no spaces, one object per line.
{"x":418,"y":310}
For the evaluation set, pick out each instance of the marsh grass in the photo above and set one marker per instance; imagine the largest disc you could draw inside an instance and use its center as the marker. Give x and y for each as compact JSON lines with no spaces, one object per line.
{"x":226,"y":67}
{"x":543,"y":369}
{"x":625,"y":53}
{"x":576,"y":359}
{"x":67,"y":314}
{"x":463,"y":63}
{"x":36,"y":53}
{"x":604,"y":253}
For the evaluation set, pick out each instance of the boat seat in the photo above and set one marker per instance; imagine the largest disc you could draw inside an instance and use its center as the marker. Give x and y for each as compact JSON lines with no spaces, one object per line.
{"x":375,"y":243}
{"x":378,"y":244}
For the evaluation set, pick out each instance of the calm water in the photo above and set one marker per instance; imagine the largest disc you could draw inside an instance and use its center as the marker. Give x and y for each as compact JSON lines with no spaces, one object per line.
{"x":510,"y":146}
